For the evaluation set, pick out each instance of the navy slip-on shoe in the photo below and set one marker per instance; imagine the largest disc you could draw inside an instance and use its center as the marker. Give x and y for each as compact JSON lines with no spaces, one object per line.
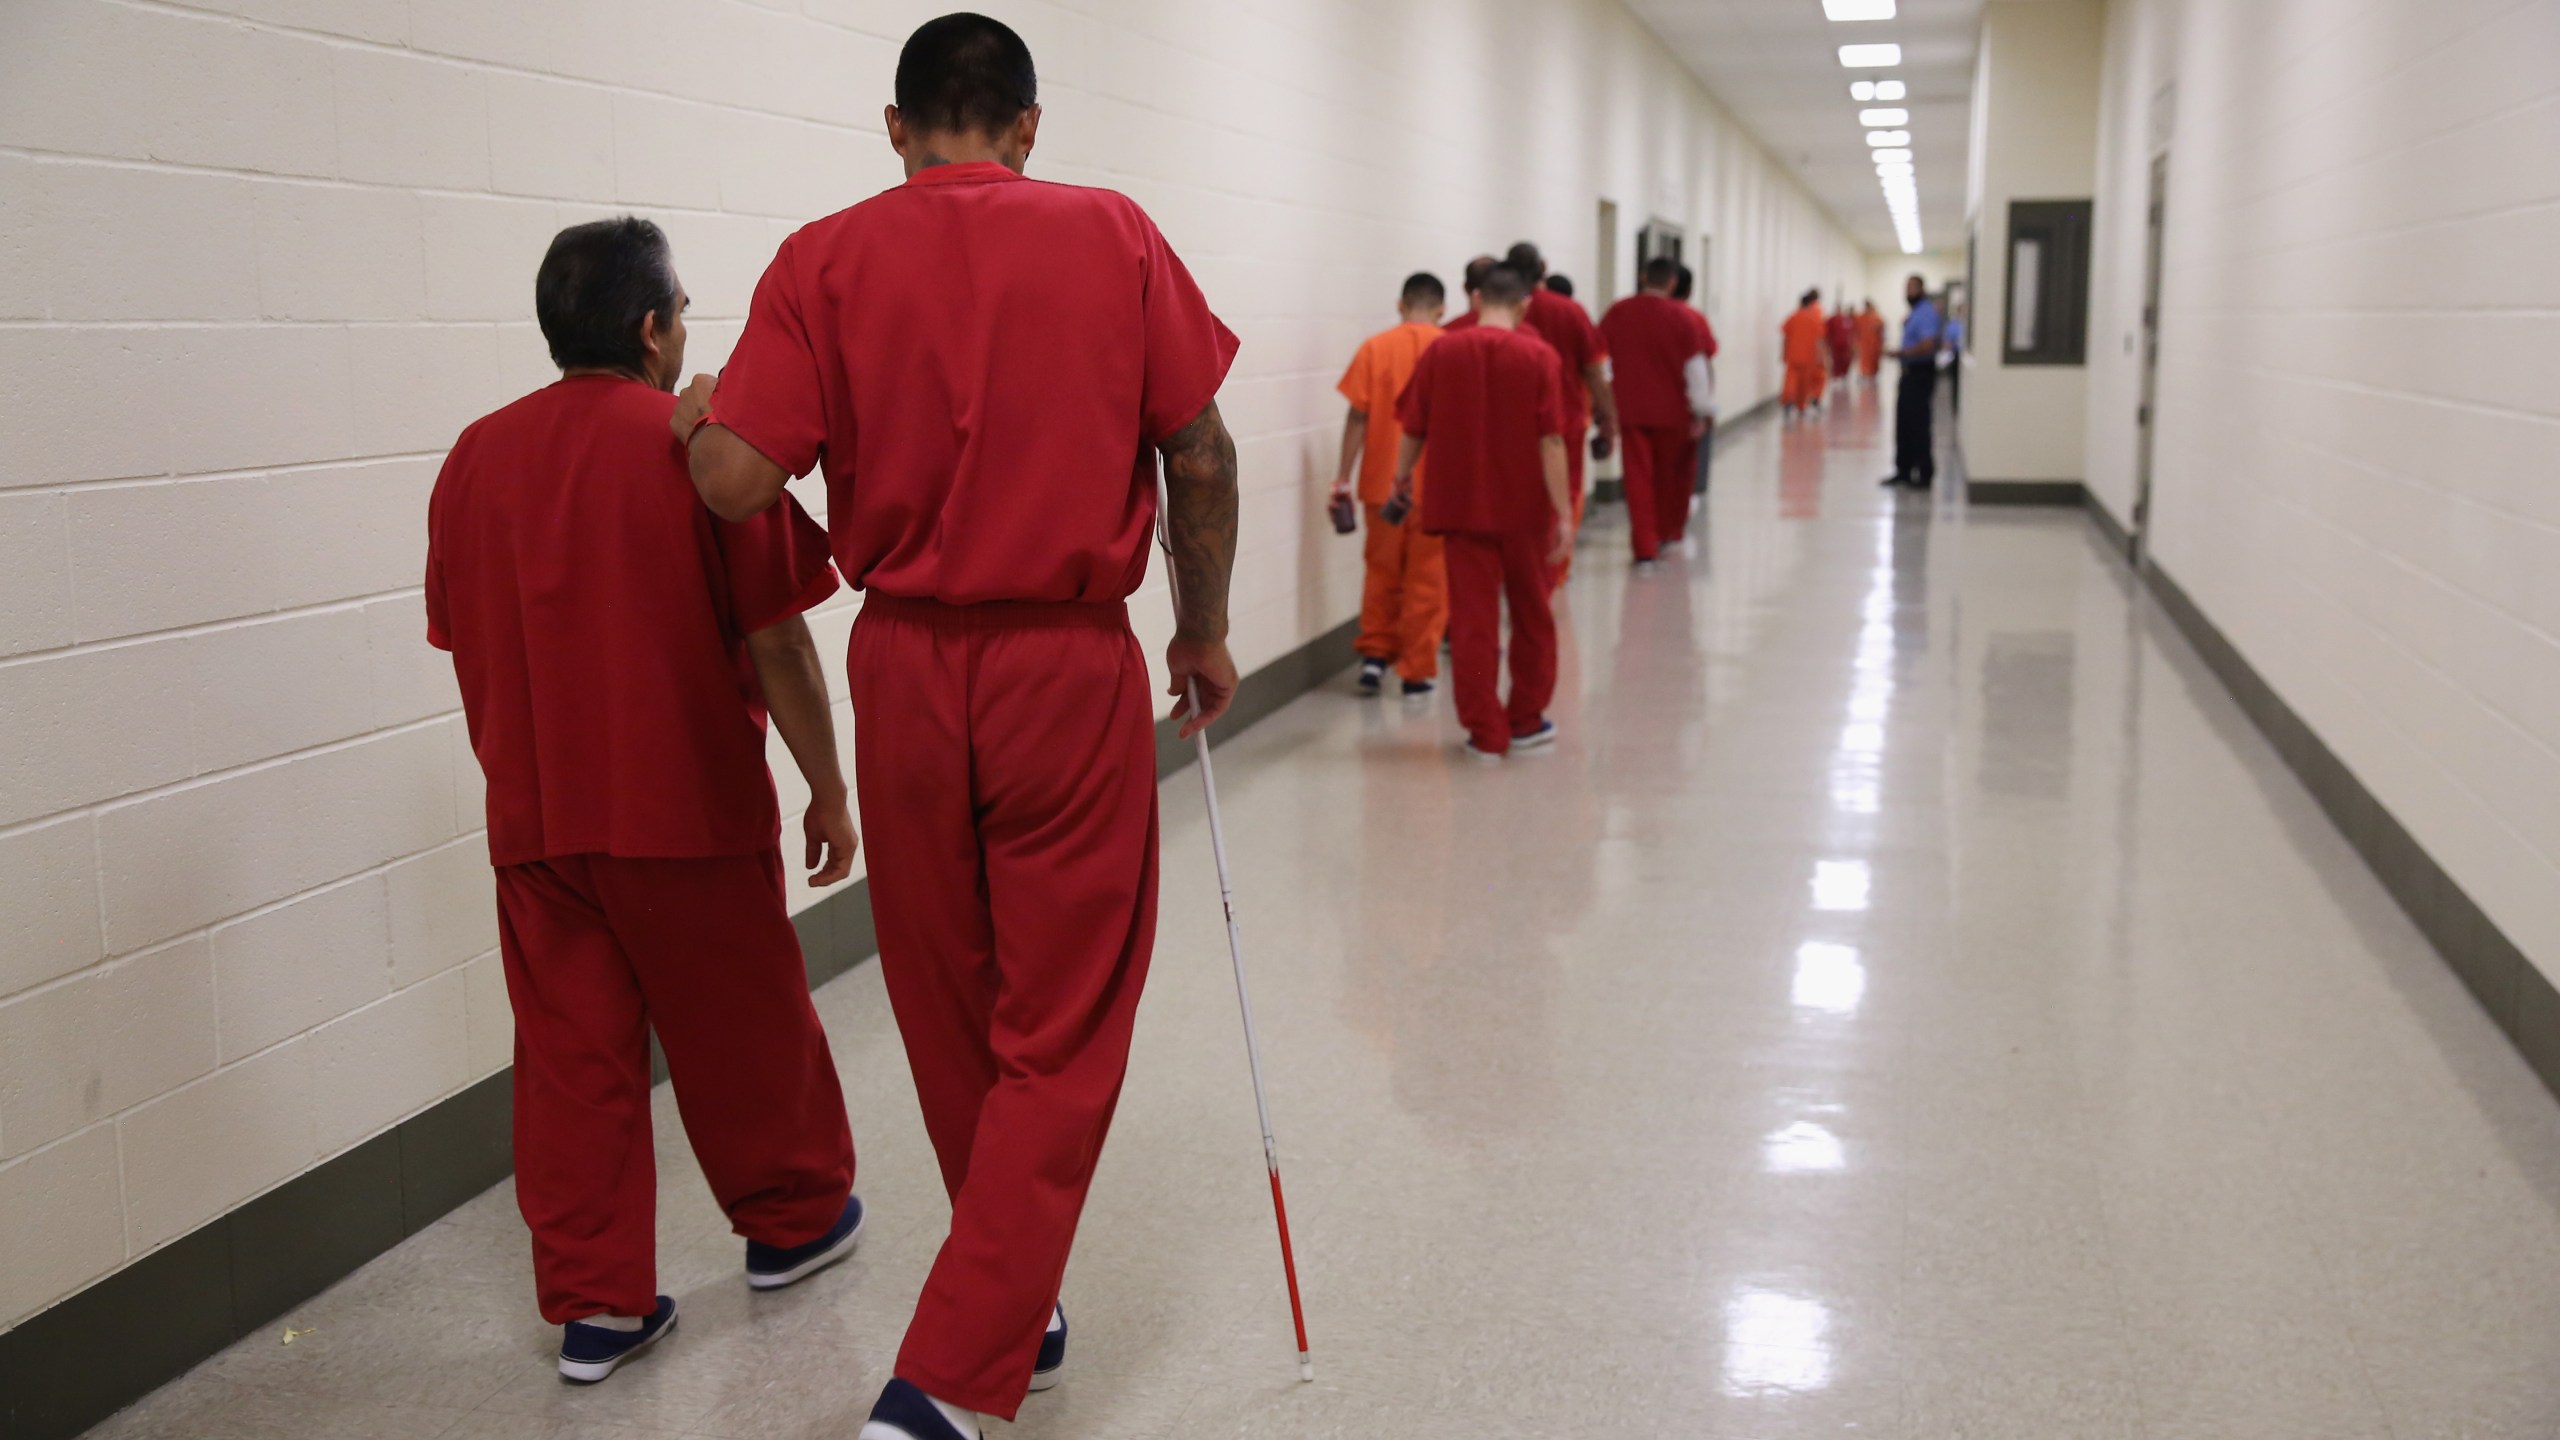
{"x":770,"y":1267}
{"x":1373,"y":673}
{"x":904,"y":1412}
{"x":1052,"y":1363}
{"x":588,"y":1353}
{"x":1538,"y":739}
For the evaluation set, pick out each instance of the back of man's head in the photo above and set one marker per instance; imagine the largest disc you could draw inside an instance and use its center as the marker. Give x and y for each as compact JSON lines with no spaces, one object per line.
{"x":965,"y":74}
{"x":1504,"y":288}
{"x":597,"y":282}
{"x":1811,"y":297}
{"x":1477,"y":269}
{"x":1561,"y":284}
{"x":1524,"y":257}
{"x":1687,"y":286}
{"x":1661,"y":273}
{"x":1422,"y":290}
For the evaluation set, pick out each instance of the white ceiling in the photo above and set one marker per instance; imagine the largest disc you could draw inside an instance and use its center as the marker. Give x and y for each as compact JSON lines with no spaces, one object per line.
{"x":1776,"y":64}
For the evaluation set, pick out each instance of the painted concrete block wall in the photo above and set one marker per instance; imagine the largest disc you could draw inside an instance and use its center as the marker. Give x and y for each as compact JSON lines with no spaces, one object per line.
{"x":2359,"y":427}
{"x":2035,"y":117}
{"x":260,"y":260}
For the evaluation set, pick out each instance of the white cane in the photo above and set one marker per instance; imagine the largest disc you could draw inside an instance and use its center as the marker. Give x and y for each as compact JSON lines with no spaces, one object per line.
{"x":1235,"y":952}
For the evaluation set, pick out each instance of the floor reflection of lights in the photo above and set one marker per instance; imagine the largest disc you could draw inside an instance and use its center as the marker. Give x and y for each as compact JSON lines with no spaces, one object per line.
{"x":1775,"y":1342}
{"x":1803,"y":1148}
{"x":1829,"y":978}
{"x":1840,"y":884}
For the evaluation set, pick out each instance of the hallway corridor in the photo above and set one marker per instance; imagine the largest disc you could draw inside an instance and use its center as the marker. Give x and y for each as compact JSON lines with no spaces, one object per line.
{"x":1910,"y":1002}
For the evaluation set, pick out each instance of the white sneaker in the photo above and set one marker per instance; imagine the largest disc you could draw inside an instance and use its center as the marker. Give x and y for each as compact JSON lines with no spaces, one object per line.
{"x":1481,"y":757}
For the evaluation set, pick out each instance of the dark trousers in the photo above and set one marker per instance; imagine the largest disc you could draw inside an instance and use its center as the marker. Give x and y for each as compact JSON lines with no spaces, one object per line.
{"x":1914,"y":448}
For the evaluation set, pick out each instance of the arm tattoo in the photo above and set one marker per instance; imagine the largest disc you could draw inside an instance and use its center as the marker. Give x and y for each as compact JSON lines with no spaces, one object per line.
{"x":1200,"y":522}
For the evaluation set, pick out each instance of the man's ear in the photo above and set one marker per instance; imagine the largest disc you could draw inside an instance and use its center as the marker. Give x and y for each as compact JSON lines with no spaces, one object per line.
{"x":649,"y":335}
{"x":896,"y":125}
{"x":1026,"y":131}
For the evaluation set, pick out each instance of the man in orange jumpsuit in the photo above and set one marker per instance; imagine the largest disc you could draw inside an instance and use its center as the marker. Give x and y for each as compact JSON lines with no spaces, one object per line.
{"x":1806,"y":369}
{"x":1488,"y":403}
{"x":1659,"y":362}
{"x":988,"y":367}
{"x":1870,"y":341}
{"x":1404,"y":602}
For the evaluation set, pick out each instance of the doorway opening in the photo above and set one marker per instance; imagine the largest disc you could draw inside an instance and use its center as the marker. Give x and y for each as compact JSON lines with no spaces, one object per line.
{"x":2146,"y":419}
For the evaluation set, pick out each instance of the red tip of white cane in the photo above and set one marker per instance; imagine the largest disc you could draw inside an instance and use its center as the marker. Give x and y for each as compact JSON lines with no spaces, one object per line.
{"x":1306,"y":1367}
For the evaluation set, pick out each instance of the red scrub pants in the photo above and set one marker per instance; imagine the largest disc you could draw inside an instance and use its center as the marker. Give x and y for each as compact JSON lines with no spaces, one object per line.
{"x":1577,"y":455}
{"x":598,"y":950}
{"x":1657,"y":481}
{"x":1485,"y":570}
{"x":1007,"y":771}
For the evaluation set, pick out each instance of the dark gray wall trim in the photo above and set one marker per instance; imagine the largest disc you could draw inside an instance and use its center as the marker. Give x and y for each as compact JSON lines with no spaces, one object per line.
{"x":2111,"y":531}
{"x":66,"y":1368}
{"x":2024,"y":492}
{"x":2515,"y":992}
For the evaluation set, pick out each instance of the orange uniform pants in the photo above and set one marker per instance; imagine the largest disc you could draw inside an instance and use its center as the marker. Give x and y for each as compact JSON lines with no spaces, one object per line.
{"x":598,"y":951}
{"x":1485,"y":571}
{"x":1008,"y":780}
{"x":1805,"y":383}
{"x":1404,"y":604}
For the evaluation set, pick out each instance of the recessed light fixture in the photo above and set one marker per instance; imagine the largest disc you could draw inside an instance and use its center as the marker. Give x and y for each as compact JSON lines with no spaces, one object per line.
{"x":1888,"y":137}
{"x":1884,"y":119}
{"x":1880,"y":156}
{"x":1885,"y":90}
{"x":1870,"y":57}
{"x":1858,"y":9}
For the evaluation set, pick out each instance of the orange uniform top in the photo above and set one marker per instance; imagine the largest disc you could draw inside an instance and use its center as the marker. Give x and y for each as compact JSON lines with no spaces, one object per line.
{"x":1374,"y":382}
{"x":1803,"y":332}
{"x":1870,"y":336}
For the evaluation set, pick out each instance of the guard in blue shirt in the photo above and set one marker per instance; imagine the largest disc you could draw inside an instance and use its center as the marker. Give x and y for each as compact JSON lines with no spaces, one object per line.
{"x":1915,"y":460}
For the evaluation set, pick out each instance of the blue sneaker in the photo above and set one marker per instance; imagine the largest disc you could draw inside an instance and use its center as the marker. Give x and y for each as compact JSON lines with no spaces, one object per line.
{"x":1373,"y":673}
{"x":1052,"y":1363}
{"x":588,"y":1353}
{"x":1538,"y":739}
{"x":904,"y":1412}
{"x":770,"y":1267}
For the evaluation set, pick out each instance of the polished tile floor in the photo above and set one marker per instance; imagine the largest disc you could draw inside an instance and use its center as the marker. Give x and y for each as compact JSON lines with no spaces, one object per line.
{"x":1911,"y":1002}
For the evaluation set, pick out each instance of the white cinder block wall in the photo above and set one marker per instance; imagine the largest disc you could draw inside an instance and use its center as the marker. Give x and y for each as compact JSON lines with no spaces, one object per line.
{"x":261,"y":259}
{"x":2358,"y":471}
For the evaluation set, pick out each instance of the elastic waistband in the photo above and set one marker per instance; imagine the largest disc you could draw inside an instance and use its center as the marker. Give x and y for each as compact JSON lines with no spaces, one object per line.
{"x":1000,"y":614}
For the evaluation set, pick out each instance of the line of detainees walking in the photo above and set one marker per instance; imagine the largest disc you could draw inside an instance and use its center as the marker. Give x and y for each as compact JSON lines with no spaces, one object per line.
{"x":1463,"y":459}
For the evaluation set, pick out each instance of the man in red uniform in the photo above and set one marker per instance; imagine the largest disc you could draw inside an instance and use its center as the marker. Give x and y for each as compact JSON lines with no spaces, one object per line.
{"x":1802,"y":334}
{"x":1404,"y":601}
{"x":1567,"y":329}
{"x":988,"y":366}
{"x":1660,"y":368}
{"x":1488,"y":404}
{"x":1840,"y":338}
{"x":1701,"y":451}
{"x":618,"y":650}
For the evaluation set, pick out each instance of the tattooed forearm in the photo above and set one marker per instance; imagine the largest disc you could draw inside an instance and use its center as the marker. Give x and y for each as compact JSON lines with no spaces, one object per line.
{"x":1200,"y":523}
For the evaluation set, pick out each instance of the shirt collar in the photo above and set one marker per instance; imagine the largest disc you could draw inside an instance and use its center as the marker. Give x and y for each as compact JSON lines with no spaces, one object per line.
{"x":964,"y":172}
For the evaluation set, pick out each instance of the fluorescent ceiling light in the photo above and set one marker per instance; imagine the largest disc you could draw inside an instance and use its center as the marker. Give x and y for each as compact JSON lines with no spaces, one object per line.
{"x":1885,"y":90}
{"x":1858,"y":9}
{"x":1862,"y":91}
{"x":1870,"y":57}
{"x":1884,"y":119}
{"x":1888,"y":137}
{"x":1894,"y":167}
{"x":1888,"y":154}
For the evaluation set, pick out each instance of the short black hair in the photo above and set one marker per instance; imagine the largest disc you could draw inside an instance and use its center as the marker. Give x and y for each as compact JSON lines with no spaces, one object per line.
{"x":596,"y":284}
{"x":1662,"y":270}
{"x":1504,"y":285}
{"x":1688,"y":283}
{"x":1809,"y":297}
{"x":1477,"y":269}
{"x":1561,"y":284}
{"x":966,"y":74}
{"x":1424,"y":288}
{"x":1524,"y":257}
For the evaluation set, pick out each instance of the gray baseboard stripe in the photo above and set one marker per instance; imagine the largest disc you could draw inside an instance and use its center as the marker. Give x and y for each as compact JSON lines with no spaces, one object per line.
{"x":2515,"y":992}
{"x":1727,"y":432}
{"x":2024,"y":492}
{"x":66,"y":1368}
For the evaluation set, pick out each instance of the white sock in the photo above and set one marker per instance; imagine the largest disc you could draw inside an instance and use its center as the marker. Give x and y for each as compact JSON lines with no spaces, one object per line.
{"x":1057,"y":1319}
{"x":964,"y":1421}
{"x":624,"y":1323}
